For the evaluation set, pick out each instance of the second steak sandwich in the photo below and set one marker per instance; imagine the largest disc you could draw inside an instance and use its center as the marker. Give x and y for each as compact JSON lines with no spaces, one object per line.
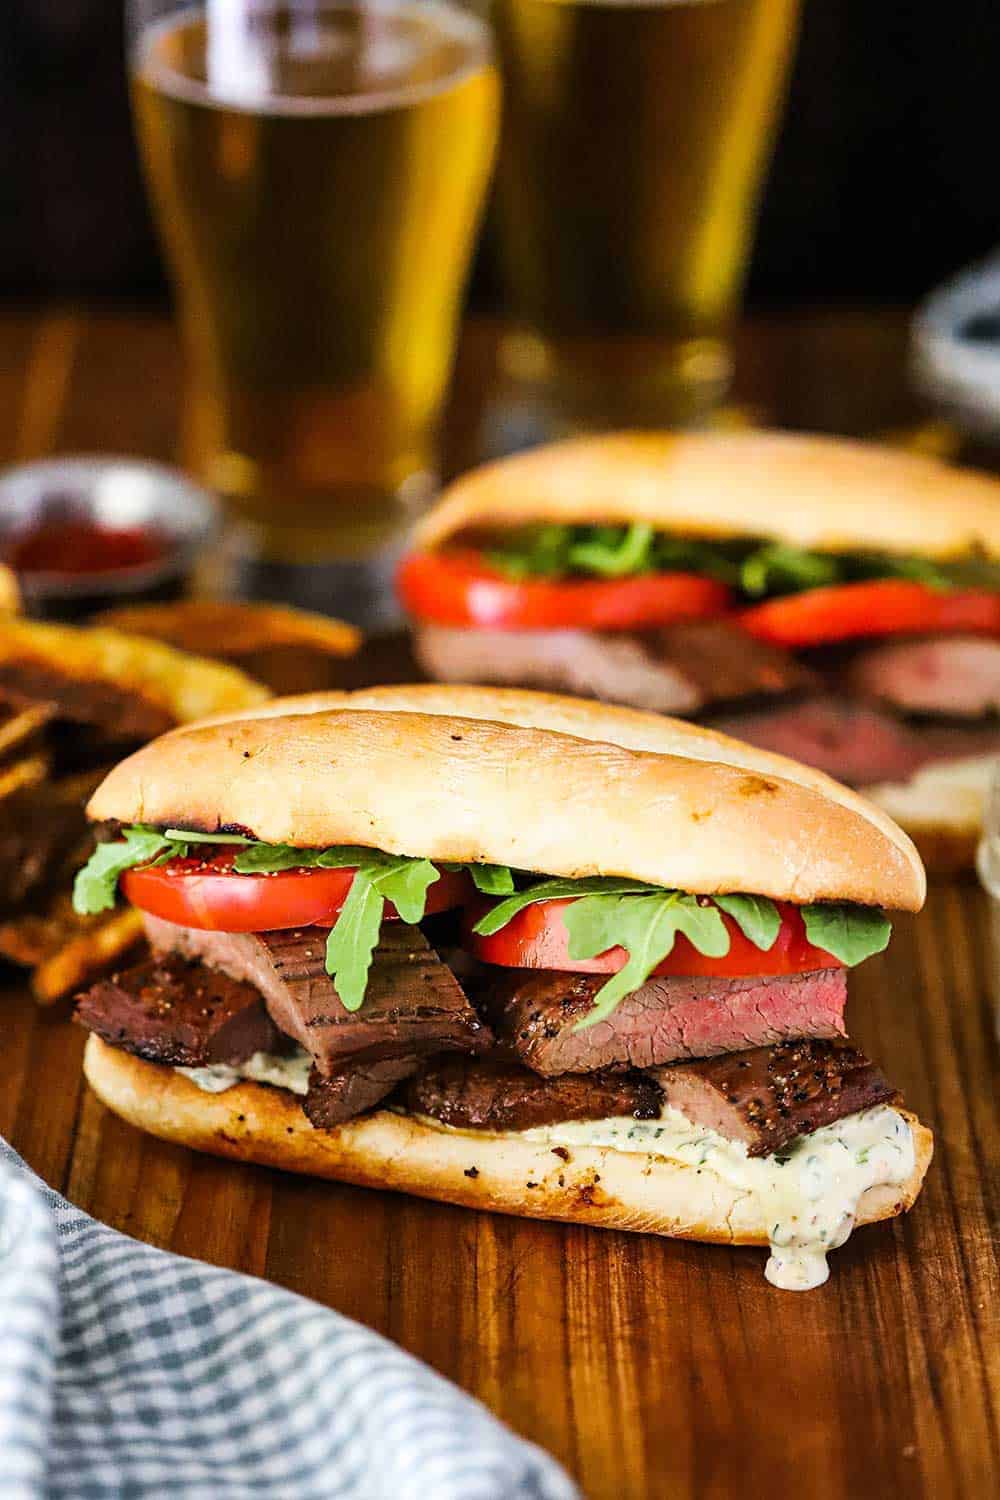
{"x":512,"y":951}
{"x":837,"y":602}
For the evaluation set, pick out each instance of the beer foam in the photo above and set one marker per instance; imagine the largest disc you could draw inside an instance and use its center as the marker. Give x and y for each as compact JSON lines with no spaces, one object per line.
{"x":448,"y":42}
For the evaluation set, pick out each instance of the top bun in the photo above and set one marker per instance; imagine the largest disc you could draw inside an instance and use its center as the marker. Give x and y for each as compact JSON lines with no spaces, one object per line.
{"x":553,"y":785}
{"x":820,"y":493}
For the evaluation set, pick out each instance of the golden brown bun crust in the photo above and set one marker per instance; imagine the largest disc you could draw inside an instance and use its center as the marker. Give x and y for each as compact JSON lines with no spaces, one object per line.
{"x":606,"y":1188}
{"x":809,"y":491}
{"x":715,"y":815}
{"x":941,"y":809}
{"x":188,"y":687}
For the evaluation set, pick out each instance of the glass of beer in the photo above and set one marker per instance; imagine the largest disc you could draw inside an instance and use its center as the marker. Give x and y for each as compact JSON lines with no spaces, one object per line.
{"x":635,"y":137}
{"x":318,"y":172}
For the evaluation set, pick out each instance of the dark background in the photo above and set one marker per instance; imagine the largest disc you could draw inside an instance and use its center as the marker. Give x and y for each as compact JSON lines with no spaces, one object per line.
{"x":884,"y":179}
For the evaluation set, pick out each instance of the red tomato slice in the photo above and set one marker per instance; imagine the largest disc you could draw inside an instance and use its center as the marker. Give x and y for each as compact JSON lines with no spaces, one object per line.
{"x":206,"y":893}
{"x":459,"y":588}
{"x":883,"y":606}
{"x":537,"y":939}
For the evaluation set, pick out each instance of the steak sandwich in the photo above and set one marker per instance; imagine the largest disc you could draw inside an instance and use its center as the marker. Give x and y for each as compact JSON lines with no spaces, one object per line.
{"x":832,"y":601}
{"x":513,"y":951}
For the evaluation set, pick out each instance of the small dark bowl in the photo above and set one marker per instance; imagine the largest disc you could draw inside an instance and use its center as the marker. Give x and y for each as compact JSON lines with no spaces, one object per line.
{"x":116,"y":492}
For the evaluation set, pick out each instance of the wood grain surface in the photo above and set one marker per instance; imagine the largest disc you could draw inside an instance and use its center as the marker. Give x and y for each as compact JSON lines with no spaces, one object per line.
{"x":651,"y":1368}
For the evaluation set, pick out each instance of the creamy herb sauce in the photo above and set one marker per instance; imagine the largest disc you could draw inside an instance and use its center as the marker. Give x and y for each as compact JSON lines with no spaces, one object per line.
{"x":808,"y":1192}
{"x":291,"y":1072}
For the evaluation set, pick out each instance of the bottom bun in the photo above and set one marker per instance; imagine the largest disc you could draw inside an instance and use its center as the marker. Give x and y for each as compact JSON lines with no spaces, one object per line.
{"x":942,"y":808}
{"x":587,"y":1185}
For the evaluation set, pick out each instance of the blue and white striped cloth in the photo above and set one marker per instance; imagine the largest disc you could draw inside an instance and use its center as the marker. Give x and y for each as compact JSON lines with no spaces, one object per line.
{"x":129,"y":1373}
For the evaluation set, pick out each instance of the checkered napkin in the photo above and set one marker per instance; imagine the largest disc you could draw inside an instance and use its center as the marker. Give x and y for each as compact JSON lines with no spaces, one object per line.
{"x":127,"y":1372}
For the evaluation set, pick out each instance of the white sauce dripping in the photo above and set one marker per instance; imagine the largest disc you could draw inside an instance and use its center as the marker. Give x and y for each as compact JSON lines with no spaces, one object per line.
{"x":808,"y":1193}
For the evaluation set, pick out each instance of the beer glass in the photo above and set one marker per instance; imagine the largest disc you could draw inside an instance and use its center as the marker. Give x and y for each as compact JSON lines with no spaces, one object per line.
{"x":634,"y":141}
{"x":317,"y":171}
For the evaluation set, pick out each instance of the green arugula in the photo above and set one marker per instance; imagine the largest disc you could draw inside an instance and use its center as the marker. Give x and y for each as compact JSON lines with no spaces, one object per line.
{"x":185,"y":836}
{"x":492,"y":880}
{"x":646,"y":927}
{"x":757,"y":918}
{"x":353,"y":938}
{"x":267,"y":859}
{"x":603,"y":911}
{"x":757,"y":569}
{"x":96,"y":884}
{"x":613,"y":551}
{"x":645,"y":920}
{"x":850,"y":933}
{"x":777,"y":569}
{"x":557,"y":890}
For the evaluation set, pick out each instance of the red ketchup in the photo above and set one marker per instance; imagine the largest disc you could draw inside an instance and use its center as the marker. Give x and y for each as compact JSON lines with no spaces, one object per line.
{"x":79,"y":545}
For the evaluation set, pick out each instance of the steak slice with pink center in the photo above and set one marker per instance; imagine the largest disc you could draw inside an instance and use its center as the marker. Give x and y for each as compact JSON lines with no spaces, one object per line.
{"x":956,"y":675}
{"x":856,"y":742}
{"x":675,"y":669}
{"x":536,"y":1012}
{"x":413,"y":1005}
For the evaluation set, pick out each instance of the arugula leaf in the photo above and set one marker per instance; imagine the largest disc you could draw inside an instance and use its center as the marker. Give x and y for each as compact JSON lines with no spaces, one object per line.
{"x":556,"y":890}
{"x":850,"y":933}
{"x":354,"y":935}
{"x":185,"y":836}
{"x":266,"y":859}
{"x":757,"y":918}
{"x":352,"y":940}
{"x":778,"y":569}
{"x":614,"y":551}
{"x":405,"y":883}
{"x":756,"y":567}
{"x":95,"y":885}
{"x":646,"y":926}
{"x":720,"y":560}
{"x":534,"y":552}
{"x":492,"y":880}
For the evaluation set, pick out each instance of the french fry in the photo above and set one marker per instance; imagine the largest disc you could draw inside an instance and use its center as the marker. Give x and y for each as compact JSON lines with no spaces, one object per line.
{"x":220,"y":628}
{"x":10,"y":594}
{"x":187,"y":687}
{"x":46,"y":672}
{"x":18,"y":727}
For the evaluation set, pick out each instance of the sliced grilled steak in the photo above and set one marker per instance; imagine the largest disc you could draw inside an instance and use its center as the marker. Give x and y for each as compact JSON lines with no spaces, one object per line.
{"x":770,"y":1095}
{"x":724,"y":664}
{"x":957,"y":675}
{"x":679,"y":669}
{"x":357,"y":1086}
{"x":536,"y":1013}
{"x":414,"y":1005}
{"x":615,"y":666}
{"x":173,"y":1010}
{"x":854,"y":742}
{"x":486,"y":1095}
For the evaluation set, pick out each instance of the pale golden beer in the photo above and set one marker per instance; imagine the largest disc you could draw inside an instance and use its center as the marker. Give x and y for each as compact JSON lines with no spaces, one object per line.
{"x":318,"y":174}
{"x":634,"y":142}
